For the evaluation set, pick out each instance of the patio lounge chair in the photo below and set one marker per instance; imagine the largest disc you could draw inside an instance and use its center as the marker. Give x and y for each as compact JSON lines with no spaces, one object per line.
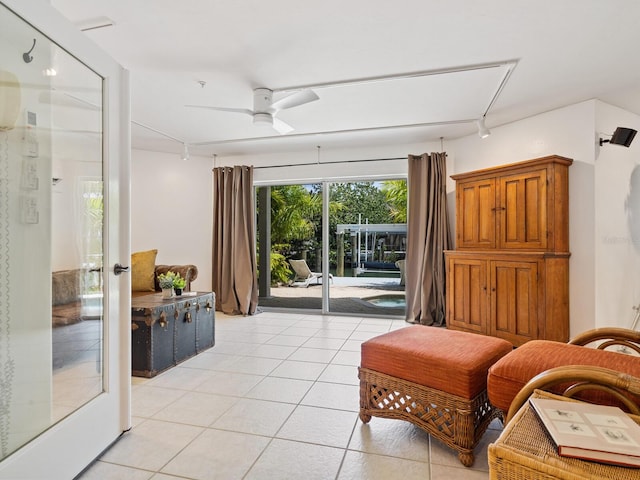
{"x":401,"y":265}
{"x":304,"y":273}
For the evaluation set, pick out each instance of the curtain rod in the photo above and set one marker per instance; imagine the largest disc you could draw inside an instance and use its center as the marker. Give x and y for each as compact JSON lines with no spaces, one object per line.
{"x":332,"y":162}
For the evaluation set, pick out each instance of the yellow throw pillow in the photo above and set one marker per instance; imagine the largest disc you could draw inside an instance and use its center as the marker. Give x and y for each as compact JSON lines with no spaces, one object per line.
{"x":143,"y":271}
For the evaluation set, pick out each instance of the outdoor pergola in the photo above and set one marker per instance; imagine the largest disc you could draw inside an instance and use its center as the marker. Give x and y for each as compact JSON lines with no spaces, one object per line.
{"x":369,"y":238}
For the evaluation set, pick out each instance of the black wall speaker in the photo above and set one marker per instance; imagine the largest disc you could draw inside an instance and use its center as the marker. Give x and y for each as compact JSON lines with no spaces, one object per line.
{"x":622,"y":136}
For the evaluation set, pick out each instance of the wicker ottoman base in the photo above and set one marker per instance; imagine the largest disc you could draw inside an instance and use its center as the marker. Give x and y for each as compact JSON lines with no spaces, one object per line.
{"x":457,"y":422}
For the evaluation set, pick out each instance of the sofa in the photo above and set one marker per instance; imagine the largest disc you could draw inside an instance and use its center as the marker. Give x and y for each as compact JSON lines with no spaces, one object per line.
{"x":188,"y":272}
{"x":144,"y":273}
{"x":67,"y":307}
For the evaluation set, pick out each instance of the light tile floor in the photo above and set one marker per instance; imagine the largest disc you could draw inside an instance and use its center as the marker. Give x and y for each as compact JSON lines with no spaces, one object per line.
{"x":276,"y":398}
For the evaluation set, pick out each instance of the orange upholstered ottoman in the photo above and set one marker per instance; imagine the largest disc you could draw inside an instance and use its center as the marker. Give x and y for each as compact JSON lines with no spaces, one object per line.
{"x":434,"y":378}
{"x":511,"y":373}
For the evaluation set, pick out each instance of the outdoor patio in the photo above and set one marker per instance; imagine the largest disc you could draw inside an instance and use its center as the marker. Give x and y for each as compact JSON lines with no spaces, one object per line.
{"x":346,"y":295}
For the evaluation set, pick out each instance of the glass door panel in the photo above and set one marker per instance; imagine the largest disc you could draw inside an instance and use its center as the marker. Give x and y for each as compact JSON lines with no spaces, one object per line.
{"x":60,"y":386}
{"x":367,"y":245}
{"x":51,"y":233}
{"x":289,"y":234}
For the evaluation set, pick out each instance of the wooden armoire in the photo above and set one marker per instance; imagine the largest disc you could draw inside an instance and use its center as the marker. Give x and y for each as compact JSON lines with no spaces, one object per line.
{"x":509,"y":274}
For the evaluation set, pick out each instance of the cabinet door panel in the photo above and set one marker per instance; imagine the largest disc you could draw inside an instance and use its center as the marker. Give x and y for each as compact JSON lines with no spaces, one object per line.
{"x":523,"y":210}
{"x":467,"y":298}
{"x":476,"y":228}
{"x":514,"y":300}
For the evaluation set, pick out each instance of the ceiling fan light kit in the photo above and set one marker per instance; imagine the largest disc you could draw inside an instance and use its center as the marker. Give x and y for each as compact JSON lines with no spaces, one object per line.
{"x":263,"y":119}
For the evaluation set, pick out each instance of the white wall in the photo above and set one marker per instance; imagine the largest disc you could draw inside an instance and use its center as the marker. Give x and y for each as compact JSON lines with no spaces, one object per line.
{"x":567,"y":132}
{"x":171,"y":210}
{"x":617,"y":215}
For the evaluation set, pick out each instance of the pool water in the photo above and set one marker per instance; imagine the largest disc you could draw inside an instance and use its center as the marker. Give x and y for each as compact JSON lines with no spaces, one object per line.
{"x":389,"y":301}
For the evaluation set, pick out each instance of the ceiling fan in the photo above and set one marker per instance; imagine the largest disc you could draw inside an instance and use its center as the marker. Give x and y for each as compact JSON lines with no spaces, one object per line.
{"x":265,"y":109}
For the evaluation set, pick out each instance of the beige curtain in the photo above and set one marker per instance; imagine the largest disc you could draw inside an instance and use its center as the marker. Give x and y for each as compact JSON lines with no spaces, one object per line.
{"x":234,"y":257}
{"x":428,"y":236}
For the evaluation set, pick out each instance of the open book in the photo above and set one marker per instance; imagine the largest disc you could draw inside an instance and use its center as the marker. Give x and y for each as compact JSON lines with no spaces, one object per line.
{"x":591,"y":432}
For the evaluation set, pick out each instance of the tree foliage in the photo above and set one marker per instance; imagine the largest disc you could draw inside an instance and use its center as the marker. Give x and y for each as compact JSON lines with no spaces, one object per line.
{"x":296,"y":215}
{"x":293,"y":208}
{"x":362,"y":201}
{"x":395,"y":192}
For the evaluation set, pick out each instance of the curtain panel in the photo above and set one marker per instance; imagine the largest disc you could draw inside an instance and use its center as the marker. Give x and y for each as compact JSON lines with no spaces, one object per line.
{"x":234,"y":270}
{"x":428,"y":236}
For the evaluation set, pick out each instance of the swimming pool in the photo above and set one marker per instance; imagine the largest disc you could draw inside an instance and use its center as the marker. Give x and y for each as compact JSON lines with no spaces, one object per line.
{"x":387,"y":301}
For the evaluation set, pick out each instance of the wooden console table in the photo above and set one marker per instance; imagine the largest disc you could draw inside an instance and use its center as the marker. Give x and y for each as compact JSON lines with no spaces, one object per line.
{"x":166,"y":332}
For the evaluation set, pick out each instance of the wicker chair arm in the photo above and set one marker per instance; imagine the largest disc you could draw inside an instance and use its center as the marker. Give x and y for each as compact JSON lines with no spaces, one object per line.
{"x":611,"y":336}
{"x":581,"y":377}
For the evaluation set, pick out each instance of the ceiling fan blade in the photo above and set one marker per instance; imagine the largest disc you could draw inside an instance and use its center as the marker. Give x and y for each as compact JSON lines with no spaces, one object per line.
{"x":223,"y":109}
{"x":295,"y":99}
{"x":282,"y":127}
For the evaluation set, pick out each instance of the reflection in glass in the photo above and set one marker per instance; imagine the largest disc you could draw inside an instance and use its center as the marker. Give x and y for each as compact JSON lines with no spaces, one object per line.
{"x":51,"y":233}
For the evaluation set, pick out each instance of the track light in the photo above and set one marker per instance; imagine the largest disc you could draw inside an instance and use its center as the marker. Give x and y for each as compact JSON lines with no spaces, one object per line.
{"x":622,"y":136}
{"x":483,"y":131}
{"x":185,"y":152}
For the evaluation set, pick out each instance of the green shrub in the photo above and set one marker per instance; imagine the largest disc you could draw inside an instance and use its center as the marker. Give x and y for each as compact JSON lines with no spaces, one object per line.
{"x":280,"y":271}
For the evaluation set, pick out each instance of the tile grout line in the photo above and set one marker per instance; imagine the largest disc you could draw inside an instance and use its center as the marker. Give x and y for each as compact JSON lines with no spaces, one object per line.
{"x":275,"y":435}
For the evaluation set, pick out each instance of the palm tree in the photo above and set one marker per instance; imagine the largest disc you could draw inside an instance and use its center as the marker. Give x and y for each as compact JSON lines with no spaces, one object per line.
{"x":292,"y":208}
{"x":395,"y":192}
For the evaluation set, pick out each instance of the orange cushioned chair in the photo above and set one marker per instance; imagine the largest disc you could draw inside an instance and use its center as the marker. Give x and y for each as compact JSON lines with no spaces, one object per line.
{"x":512,"y":372}
{"x":434,"y":378}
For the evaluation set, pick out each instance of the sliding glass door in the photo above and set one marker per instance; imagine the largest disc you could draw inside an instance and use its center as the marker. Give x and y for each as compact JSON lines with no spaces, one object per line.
{"x":360,"y":257}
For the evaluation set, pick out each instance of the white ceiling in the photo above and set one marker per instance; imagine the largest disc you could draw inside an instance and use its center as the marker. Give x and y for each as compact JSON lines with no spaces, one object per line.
{"x":215,"y":52}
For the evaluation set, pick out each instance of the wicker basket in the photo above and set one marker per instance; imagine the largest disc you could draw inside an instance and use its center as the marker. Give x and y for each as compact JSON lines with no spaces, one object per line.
{"x":457,"y":422}
{"x":524,"y":451}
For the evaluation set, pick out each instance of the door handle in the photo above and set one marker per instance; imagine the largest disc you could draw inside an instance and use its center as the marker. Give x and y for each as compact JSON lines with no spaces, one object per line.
{"x":118,"y":269}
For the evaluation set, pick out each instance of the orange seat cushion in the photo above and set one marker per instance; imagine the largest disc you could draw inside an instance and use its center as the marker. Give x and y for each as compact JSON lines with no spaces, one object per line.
{"x":446,"y":360}
{"x":513,"y":371}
